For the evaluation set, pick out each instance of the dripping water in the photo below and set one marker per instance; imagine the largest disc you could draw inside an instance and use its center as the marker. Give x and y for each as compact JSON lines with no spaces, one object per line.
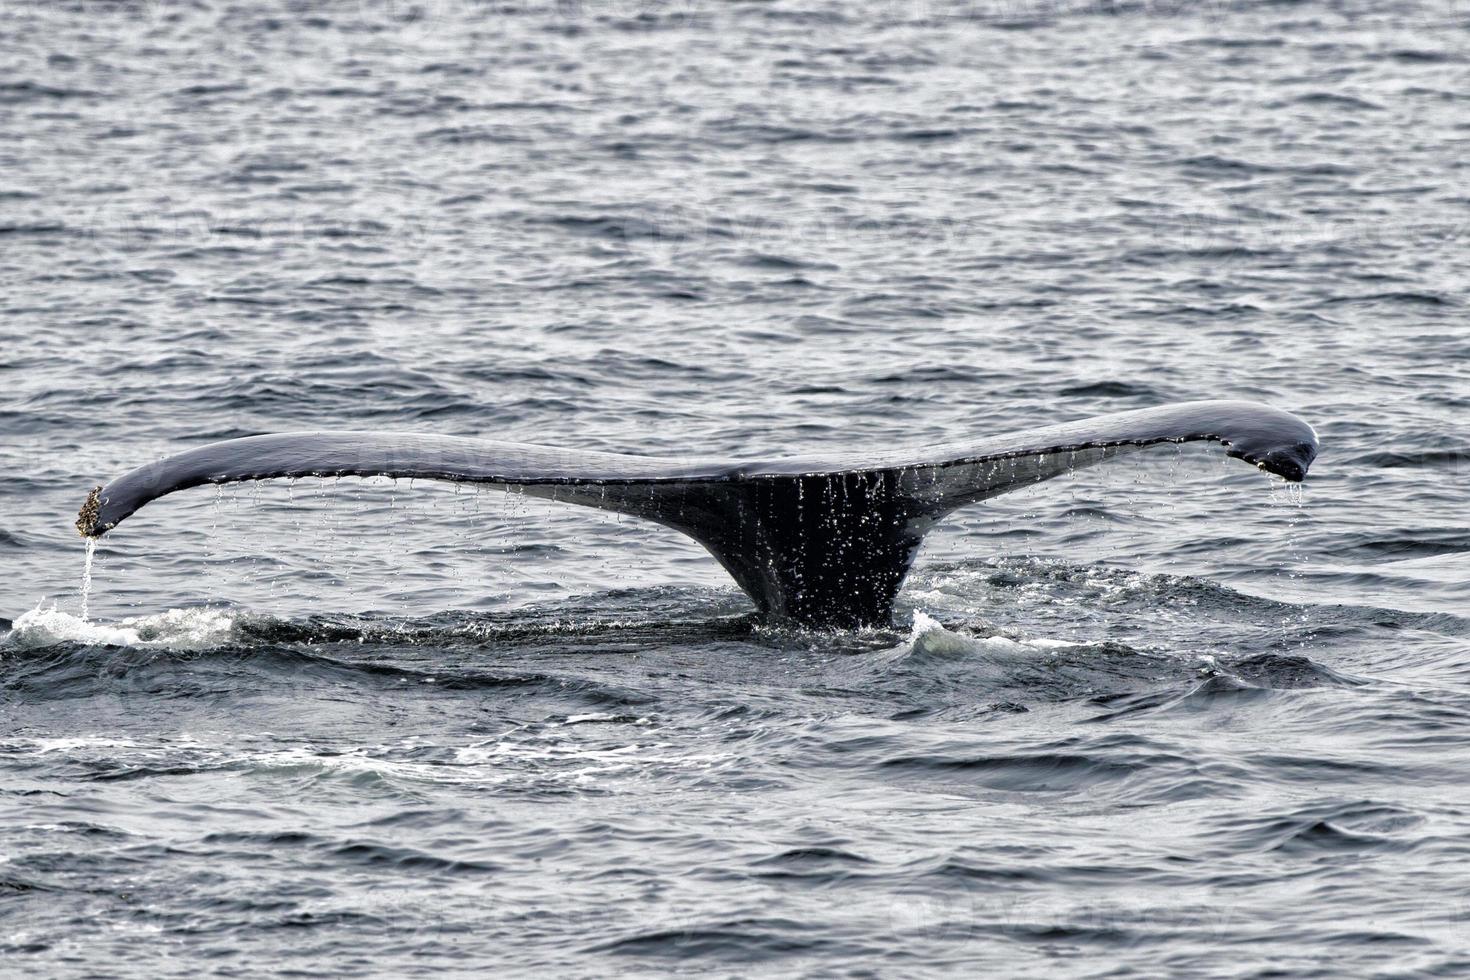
{"x":87,"y":578}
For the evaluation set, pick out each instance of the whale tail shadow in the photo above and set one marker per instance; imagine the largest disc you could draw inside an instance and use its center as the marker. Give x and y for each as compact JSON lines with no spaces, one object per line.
{"x":822,"y":541}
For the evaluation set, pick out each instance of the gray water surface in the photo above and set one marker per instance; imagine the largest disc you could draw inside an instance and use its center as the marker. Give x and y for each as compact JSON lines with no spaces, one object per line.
{"x":1162,"y":717}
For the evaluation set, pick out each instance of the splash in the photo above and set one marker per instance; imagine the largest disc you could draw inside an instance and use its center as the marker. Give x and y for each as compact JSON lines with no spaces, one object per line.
{"x":923,"y":623}
{"x":176,"y":629}
{"x":929,"y":636}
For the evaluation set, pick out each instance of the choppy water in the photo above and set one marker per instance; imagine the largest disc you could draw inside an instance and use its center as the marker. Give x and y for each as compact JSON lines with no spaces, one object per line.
{"x":1158,"y":718}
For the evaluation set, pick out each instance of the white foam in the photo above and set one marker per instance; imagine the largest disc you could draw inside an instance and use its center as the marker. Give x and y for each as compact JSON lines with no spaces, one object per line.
{"x":1046,"y":643}
{"x":924,"y":623}
{"x":929,"y":635}
{"x":176,"y":629}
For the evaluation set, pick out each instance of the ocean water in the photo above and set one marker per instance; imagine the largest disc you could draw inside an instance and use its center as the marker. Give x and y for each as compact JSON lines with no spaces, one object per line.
{"x":1162,"y":717}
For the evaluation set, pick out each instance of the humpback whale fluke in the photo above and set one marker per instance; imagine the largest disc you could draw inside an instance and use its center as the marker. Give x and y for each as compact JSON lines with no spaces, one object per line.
{"x":821,"y":540}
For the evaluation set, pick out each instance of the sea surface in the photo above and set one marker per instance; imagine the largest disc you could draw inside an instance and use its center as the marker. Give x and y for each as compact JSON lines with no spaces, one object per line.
{"x":1162,"y":717}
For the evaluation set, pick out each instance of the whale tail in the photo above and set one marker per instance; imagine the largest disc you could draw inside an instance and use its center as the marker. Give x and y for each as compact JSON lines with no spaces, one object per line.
{"x":822,"y":541}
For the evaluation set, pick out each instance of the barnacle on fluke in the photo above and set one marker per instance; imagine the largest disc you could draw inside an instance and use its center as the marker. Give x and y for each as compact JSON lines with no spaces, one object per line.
{"x":87,"y":518}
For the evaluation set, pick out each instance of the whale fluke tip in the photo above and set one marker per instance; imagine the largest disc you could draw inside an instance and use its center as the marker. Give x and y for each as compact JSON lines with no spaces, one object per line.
{"x":87,"y":518}
{"x":1289,"y":463}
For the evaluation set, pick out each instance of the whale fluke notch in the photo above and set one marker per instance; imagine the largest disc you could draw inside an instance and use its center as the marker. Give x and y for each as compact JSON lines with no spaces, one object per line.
{"x":821,"y":540}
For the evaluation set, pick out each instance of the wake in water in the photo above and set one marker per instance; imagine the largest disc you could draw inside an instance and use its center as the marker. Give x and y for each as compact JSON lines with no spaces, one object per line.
{"x":972,"y":656}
